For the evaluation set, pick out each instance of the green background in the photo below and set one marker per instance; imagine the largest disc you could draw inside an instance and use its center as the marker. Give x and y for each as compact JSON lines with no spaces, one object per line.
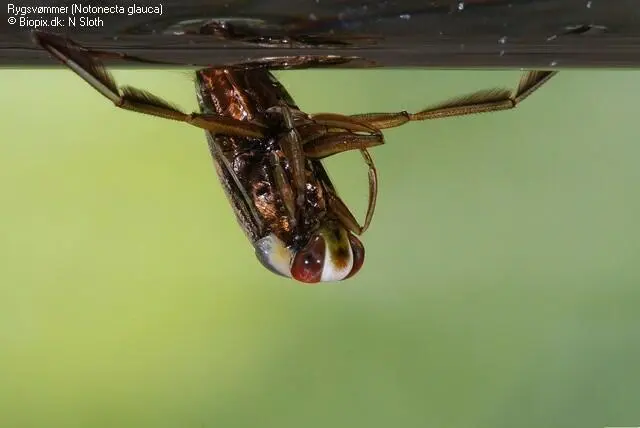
{"x":501,"y":285}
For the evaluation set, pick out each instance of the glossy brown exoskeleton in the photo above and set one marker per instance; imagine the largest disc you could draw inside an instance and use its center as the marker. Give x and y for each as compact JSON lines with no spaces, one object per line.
{"x":268,"y":154}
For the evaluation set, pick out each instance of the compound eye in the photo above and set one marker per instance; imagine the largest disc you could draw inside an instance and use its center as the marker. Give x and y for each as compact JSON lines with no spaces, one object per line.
{"x":308,"y":264}
{"x":358,"y":255}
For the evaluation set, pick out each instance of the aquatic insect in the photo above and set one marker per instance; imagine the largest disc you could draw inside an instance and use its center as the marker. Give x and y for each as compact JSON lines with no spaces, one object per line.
{"x":268,"y":153}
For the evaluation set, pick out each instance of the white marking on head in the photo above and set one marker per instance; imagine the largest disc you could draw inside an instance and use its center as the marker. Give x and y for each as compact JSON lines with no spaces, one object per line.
{"x":274,"y":255}
{"x":338,"y":256}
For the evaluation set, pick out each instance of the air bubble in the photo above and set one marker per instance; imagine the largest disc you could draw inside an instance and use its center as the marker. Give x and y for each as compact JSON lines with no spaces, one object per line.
{"x":461,"y":5}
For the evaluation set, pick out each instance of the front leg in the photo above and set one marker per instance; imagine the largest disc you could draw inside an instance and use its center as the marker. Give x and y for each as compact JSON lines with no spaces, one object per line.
{"x":331,"y":134}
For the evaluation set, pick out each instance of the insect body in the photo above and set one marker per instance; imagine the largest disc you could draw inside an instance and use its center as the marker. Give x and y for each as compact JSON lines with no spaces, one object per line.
{"x":268,"y":153}
{"x":276,"y":183}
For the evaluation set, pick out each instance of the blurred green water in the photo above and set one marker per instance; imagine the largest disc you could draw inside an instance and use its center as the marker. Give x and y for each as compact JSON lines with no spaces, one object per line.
{"x":500,"y":287}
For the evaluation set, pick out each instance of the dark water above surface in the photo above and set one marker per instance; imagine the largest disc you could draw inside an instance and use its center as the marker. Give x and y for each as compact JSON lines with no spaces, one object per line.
{"x":409,"y":33}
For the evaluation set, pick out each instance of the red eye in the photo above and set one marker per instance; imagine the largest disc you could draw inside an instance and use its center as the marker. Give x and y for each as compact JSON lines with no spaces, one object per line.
{"x":308,"y":263}
{"x":358,"y":255}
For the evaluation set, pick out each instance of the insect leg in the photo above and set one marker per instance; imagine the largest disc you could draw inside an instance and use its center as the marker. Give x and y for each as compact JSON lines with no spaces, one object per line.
{"x":340,"y":209}
{"x":477,"y":102}
{"x":283,"y":185}
{"x":324,"y":138}
{"x":291,"y":145}
{"x":332,"y":143}
{"x":95,"y":53}
{"x":333,"y":120}
{"x":128,"y":98}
